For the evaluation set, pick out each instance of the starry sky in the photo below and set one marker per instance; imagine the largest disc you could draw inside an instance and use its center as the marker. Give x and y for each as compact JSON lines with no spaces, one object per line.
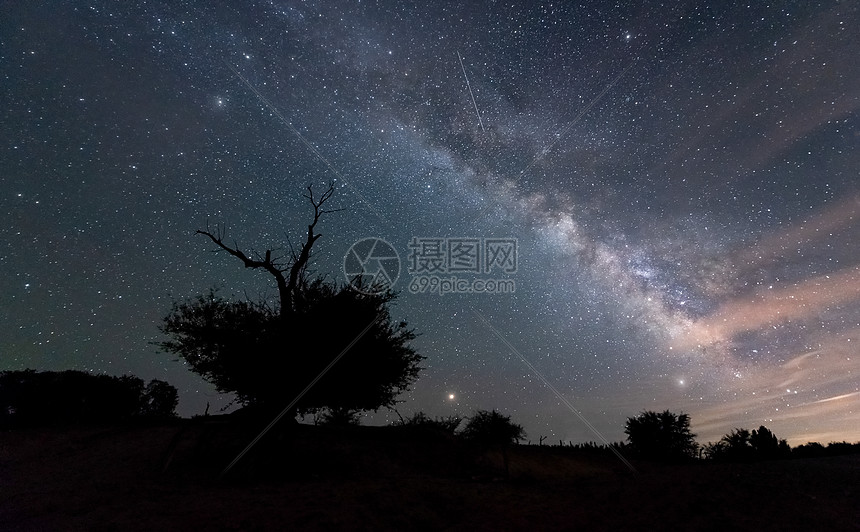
{"x":681,"y":179}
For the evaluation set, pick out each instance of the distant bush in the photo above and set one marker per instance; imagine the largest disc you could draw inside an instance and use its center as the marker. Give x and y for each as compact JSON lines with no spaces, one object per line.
{"x":420,"y":419}
{"x":492,"y":428}
{"x":159,"y":399}
{"x":599,"y":448}
{"x":814,"y":449}
{"x":742,"y":445}
{"x":338,"y":417}
{"x":836,"y":448}
{"x":30,"y":398}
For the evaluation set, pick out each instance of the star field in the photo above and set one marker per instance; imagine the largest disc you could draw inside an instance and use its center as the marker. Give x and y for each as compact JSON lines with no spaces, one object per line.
{"x":681,"y":179}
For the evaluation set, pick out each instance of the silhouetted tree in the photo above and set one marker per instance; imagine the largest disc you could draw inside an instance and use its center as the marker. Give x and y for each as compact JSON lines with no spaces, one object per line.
{"x":661,"y":436}
{"x":836,"y":448}
{"x":734,"y":446}
{"x":785,"y":449}
{"x":766,"y":445}
{"x":714,"y":450}
{"x":743,"y":445}
{"x":815,"y":449}
{"x":29,"y":398}
{"x":159,"y":400}
{"x":289,"y":275}
{"x":491,"y":428}
{"x":268,"y":354}
{"x":809,"y":450}
{"x":245,"y":348}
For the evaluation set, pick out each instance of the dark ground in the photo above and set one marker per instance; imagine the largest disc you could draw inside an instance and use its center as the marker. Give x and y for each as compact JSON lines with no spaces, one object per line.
{"x":166,"y":477}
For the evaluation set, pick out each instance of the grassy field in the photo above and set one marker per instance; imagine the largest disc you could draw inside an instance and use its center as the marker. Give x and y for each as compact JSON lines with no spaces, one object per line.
{"x":166,"y":477}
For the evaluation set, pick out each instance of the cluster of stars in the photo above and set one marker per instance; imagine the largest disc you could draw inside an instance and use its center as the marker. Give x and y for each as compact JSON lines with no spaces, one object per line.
{"x":681,"y":183}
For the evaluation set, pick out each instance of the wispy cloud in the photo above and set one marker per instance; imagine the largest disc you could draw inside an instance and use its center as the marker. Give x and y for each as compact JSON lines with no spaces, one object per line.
{"x":771,"y":305}
{"x":810,"y":394}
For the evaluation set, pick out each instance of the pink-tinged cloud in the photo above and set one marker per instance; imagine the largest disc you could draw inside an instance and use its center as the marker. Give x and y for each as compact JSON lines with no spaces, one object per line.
{"x":771,"y":306}
{"x":811,"y":397}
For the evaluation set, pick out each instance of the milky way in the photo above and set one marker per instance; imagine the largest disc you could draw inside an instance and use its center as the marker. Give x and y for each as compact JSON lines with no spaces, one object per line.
{"x":682,"y":184}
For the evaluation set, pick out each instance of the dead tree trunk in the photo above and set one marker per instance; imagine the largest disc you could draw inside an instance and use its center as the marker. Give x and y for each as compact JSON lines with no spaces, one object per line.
{"x":295,"y":267}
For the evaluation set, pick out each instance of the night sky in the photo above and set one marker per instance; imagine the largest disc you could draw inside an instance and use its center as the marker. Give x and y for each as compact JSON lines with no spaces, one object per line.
{"x":681,"y":180}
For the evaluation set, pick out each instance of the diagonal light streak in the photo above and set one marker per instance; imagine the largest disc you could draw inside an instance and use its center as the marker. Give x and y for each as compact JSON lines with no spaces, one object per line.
{"x":542,"y":153}
{"x":576,"y":119}
{"x":469,"y":85}
{"x":303,"y":140}
{"x":558,"y":394}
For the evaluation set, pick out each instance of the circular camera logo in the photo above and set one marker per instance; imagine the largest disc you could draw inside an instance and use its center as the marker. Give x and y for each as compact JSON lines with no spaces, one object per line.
{"x":371,"y":265}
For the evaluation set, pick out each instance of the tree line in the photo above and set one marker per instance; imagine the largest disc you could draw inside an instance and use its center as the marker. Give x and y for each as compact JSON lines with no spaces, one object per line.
{"x":667,"y":436}
{"x":30,"y":398}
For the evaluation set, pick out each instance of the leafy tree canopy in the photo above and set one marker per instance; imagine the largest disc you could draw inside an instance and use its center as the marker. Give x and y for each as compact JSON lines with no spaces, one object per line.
{"x":249,"y":349}
{"x":492,"y":428}
{"x":745,"y":445}
{"x":661,"y":436}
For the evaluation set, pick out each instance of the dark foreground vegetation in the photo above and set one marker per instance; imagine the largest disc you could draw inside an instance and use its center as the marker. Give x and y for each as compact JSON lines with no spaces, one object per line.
{"x":32,"y":398}
{"x":150,"y":476}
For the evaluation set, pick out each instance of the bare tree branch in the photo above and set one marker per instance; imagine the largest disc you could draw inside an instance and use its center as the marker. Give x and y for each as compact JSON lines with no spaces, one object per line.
{"x":300,"y":263}
{"x":286,"y":285}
